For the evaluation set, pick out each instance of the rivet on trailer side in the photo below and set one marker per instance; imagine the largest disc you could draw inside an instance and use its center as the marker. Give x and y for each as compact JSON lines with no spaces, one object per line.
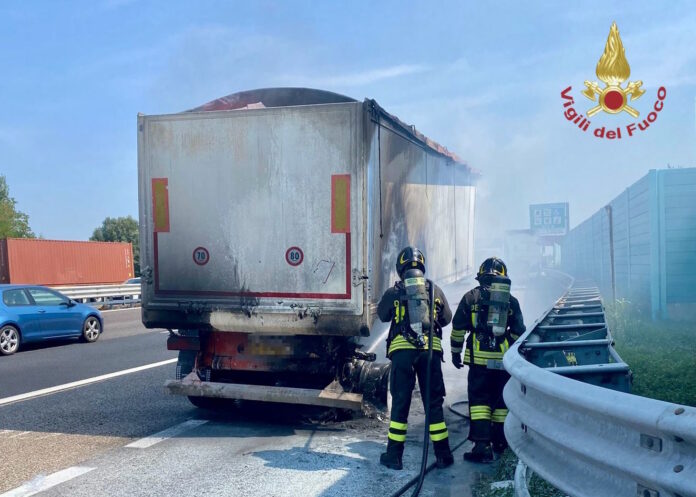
{"x":270,"y":221}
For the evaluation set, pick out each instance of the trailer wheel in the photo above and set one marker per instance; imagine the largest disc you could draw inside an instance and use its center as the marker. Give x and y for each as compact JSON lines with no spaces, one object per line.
{"x":184,"y":365}
{"x":209,"y":403}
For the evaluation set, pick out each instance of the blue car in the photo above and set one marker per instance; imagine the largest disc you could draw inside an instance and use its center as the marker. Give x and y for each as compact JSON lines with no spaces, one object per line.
{"x":34,"y":313}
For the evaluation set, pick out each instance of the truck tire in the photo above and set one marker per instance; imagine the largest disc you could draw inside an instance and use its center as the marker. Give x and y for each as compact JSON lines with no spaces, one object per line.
{"x":184,"y":365}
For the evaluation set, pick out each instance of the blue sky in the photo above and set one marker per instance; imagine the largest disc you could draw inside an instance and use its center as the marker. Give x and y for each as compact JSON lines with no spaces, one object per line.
{"x":484,"y":81}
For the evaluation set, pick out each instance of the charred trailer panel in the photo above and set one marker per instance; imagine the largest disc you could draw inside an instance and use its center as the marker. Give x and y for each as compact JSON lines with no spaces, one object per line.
{"x":270,"y":221}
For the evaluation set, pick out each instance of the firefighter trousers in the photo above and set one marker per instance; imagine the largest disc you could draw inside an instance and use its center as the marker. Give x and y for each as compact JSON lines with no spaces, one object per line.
{"x":407,"y":365}
{"x":486,"y":405}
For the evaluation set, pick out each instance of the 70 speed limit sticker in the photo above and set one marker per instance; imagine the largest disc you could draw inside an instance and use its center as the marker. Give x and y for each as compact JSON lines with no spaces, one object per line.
{"x":294,"y":256}
{"x":201,"y":256}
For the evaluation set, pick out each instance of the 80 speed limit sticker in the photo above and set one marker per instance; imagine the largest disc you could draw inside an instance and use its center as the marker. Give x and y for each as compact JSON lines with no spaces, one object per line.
{"x":294,"y":256}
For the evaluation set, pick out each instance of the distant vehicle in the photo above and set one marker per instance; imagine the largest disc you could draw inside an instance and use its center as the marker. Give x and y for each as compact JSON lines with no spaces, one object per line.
{"x":35,"y":313}
{"x":132,"y":281}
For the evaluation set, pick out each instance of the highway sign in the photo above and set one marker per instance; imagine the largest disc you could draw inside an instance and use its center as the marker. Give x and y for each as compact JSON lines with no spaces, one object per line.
{"x":549,"y":219}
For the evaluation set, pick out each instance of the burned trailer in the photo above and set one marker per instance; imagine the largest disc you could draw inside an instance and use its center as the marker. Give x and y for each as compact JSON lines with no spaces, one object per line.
{"x":270,"y":221}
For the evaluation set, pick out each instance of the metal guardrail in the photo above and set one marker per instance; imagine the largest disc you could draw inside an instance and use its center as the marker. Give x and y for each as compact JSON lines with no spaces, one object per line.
{"x":590,"y":438}
{"x":103,"y":294}
{"x":522,"y":476}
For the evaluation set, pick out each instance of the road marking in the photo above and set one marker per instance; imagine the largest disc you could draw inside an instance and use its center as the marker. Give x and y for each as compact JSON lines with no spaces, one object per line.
{"x":80,"y":383}
{"x":50,"y":435}
{"x":41,"y":483}
{"x":20,"y":434}
{"x":146,"y":442}
{"x":35,"y":435}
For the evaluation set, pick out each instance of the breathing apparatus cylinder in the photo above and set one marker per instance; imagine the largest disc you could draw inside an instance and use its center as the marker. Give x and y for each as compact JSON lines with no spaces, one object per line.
{"x":417,"y":304}
{"x":498,"y":304}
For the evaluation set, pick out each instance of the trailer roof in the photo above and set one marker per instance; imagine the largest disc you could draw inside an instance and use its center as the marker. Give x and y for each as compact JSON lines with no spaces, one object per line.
{"x":285,"y":97}
{"x":272,"y":97}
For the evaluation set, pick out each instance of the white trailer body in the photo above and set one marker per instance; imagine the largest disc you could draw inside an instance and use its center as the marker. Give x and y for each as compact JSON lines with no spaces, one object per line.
{"x":252,"y":220}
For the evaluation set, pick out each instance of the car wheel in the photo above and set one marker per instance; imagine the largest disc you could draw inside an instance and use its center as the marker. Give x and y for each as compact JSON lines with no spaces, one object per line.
{"x":9,"y":340}
{"x":91,"y":329}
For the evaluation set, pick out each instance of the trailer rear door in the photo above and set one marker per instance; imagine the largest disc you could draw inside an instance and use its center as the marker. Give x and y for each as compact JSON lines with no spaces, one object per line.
{"x":254,"y":206}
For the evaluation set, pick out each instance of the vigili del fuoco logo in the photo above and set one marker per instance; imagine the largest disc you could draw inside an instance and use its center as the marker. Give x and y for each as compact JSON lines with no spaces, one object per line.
{"x":613,"y":98}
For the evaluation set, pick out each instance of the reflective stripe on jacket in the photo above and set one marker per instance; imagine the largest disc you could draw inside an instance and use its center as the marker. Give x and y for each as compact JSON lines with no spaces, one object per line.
{"x":400,"y":343}
{"x":481,"y":355}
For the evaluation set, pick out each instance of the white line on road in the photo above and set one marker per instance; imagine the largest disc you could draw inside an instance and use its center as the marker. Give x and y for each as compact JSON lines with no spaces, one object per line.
{"x":146,"y":442}
{"x":20,"y":434}
{"x":41,"y":483}
{"x":80,"y":383}
{"x":50,"y":435}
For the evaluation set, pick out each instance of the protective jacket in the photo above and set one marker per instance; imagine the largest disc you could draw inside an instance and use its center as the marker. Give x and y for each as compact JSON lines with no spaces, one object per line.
{"x":484,"y":355}
{"x":482,"y":348}
{"x":392,"y":307}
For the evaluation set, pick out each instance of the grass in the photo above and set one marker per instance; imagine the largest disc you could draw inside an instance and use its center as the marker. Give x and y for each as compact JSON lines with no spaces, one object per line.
{"x":661,"y":355}
{"x":504,"y":469}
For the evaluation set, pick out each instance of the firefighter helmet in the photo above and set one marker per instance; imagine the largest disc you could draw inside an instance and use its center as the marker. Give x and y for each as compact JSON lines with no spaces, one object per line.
{"x":492,"y":266}
{"x":410,"y":257}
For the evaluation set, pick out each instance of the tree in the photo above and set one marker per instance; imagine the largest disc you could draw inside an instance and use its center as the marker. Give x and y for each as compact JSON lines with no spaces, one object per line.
{"x":13,"y":223}
{"x":120,"y":229}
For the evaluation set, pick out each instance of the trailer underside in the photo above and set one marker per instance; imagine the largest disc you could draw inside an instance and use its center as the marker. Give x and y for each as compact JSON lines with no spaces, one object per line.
{"x":321,"y":371}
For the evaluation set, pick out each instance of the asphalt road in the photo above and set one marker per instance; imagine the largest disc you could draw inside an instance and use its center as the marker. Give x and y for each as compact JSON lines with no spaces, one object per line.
{"x":76,"y":442}
{"x":124,"y":344}
{"x":51,"y":432}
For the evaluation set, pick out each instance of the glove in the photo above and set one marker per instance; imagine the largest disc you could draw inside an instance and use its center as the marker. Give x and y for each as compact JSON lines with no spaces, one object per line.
{"x":457,"y":360}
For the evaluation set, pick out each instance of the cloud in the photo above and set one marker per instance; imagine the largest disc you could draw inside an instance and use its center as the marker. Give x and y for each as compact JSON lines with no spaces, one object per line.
{"x":361,"y":78}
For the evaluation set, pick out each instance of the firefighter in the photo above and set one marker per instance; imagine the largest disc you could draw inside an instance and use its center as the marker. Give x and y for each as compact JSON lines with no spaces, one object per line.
{"x":407,"y":306}
{"x":485,"y":346}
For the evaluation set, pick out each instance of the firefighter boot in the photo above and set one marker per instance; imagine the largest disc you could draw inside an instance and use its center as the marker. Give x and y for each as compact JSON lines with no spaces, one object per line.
{"x":499,"y":447}
{"x":480,"y":453}
{"x":498,"y":439}
{"x":443,"y":454}
{"x":392,"y":457}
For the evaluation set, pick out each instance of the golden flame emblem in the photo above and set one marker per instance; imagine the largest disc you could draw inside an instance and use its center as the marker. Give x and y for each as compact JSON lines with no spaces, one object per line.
{"x":613,"y":69}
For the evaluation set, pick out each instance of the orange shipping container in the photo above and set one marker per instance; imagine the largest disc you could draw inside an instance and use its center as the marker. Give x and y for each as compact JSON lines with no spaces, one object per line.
{"x":57,"y":262}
